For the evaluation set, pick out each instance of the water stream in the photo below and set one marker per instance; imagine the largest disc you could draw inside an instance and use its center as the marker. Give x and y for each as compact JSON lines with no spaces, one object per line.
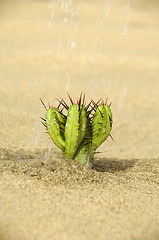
{"x":84,"y":39}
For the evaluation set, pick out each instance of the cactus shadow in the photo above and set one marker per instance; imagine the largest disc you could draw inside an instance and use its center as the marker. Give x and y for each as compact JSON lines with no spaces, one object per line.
{"x":113,"y":165}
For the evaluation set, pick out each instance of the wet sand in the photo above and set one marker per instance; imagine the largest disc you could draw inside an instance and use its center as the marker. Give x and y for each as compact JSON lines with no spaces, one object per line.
{"x":43,"y":196}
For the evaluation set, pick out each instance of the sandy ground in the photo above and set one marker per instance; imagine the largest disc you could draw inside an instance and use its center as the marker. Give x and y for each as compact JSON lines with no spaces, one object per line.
{"x":104,"y":50}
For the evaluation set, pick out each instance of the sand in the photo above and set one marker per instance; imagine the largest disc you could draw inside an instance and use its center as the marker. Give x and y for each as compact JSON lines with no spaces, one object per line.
{"x":102,"y":53}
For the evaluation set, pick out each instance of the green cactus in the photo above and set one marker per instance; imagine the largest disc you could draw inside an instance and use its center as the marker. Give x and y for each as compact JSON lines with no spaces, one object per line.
{"x":82,"y":130}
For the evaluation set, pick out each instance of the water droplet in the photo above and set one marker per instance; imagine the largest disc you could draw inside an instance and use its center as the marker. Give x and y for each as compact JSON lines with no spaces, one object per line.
{"x":73,"y":45}
{"x":107,"y":5}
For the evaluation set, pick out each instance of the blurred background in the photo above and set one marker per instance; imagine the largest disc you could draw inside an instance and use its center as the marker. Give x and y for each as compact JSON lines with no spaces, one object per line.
{"x":104,"y":48}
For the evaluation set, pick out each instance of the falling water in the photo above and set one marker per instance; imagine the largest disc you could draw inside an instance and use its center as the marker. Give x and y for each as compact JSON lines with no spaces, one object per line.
{"x":127,"y":14}
{"x":84,"y":40}
{"x":124,"y":32}
{"x":62,"y":17}
{"x":79,"y":29}
{"x":48,"y":152}
{"x":107,"y":6}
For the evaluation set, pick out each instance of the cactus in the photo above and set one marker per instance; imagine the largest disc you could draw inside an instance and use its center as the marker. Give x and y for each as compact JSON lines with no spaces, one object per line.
{"x":82,"y":130}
